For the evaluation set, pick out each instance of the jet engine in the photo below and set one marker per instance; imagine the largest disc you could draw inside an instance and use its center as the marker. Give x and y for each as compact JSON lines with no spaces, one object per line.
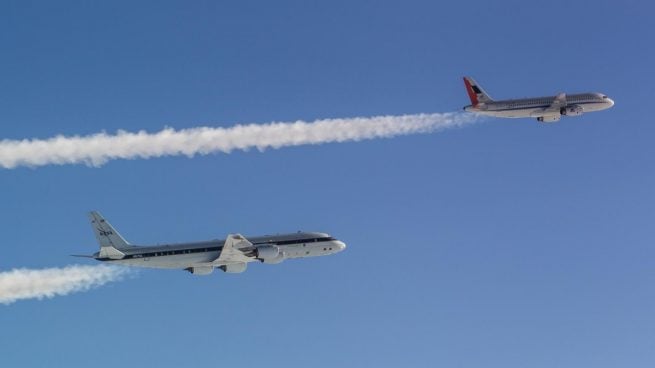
{"x":573,"y":110}
{"x":234,"y":267}
{"x":202,"y":270}
{"x":269,"y":254}
{"x":548,"y":118}
{"x":279,"y":258}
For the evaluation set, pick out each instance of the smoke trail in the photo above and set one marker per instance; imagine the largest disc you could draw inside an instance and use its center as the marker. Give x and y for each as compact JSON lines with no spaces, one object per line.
{"x":97,"y":149}
{"x":50,"y":282}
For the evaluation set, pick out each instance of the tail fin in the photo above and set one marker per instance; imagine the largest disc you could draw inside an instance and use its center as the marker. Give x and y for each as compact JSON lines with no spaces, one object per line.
{"x":107,"y":236}
{"x":476,"y":93}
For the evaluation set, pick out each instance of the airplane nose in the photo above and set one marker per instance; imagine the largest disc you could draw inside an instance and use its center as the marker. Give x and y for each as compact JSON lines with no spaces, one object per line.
{"x":340,"y":245}
{"x":611,"y":102}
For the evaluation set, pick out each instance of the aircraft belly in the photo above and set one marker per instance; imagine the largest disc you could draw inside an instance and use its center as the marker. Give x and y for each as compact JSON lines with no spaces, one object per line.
{"x":292,"y":251}
{"x":522,"y":113}
{"x":593,"y":107}
{"x":180,"y":261}
{"x":541,"y":112}
{"x":300,"y":251}
{"x":309,"y":249}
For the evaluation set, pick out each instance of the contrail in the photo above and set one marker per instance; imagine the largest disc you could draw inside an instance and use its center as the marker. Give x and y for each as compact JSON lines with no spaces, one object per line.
{"x":24,"y":283}
{"x":97,"y":149}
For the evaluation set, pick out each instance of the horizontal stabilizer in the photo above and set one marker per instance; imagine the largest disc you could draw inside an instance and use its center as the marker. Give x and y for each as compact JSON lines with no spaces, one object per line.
{"x":111,"y":253}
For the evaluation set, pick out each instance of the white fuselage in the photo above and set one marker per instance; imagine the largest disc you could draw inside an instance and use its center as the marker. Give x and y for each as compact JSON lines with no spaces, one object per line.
{"x":202,"y":254}
{"x":535,"y":107}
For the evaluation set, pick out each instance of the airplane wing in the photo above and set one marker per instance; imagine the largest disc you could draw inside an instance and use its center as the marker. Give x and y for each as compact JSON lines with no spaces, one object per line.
{"x":557,"y":104}
{"x":231,"y":252}
{"x":553,"y":111}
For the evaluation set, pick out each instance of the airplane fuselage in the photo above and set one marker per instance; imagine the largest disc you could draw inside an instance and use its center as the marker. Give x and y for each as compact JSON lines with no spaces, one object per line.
{"x":544,"y":109}
{"x":534,"y":107}
{"x":231,"y":255}
{"x":203,"y":255}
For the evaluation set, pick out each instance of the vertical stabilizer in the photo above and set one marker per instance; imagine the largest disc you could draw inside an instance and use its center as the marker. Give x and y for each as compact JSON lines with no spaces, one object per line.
{"x":475,"y":92}
{"x":105,"y":233}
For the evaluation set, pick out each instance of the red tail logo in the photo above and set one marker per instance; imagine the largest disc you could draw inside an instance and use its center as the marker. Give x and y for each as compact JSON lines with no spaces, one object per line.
{"x":472,"y":95}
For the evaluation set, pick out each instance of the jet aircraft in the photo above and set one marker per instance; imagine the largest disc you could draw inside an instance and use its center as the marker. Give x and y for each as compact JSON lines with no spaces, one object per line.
{"x":231,"y":255}
{"x":545,"y":109}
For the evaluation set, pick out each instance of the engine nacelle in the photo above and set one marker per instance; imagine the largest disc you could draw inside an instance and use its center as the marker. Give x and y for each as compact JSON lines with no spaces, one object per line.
{"x":280,"y":257}
{"x":548,"y":118}
{"x":234,"y":267}
{"x":203,"y":270}
{"x":573,"y":110}
{"x":267,"y":252}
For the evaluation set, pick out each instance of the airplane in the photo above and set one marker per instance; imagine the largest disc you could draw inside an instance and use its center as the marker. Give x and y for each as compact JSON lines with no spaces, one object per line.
{"x":545,"y":109}
{"x":230,"y":255}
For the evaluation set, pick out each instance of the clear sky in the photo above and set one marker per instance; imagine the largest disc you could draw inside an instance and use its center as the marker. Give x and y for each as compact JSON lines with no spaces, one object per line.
{"x":503,"y":244}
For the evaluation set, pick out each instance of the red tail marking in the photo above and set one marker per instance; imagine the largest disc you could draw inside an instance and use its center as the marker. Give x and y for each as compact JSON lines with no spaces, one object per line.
{"x":472,"y":95}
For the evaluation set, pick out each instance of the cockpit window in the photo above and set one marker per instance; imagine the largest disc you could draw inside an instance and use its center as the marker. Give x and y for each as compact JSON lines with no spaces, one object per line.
{"x":604,"y":96}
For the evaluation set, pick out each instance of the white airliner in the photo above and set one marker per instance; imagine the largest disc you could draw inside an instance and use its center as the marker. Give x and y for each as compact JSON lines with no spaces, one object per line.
{"x":201,"y":258}
{"x":545,"y":109}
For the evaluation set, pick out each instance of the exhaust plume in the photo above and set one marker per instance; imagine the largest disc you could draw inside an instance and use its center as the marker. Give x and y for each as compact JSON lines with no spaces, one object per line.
{"x":25,"y":283}
{"x":97,"y":149}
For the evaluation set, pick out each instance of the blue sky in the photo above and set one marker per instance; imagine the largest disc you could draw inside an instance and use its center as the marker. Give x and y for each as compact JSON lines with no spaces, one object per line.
{"x":503,"y":244}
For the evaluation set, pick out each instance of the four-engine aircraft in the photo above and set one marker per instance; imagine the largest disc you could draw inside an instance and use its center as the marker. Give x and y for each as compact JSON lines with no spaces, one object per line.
{"x":201,"y":258}
{"x":545,"y":109}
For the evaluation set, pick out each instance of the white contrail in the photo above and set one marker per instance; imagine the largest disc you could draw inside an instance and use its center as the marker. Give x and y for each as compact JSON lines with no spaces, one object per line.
{"x":25,"y":283}
{"x":97,"y":149}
